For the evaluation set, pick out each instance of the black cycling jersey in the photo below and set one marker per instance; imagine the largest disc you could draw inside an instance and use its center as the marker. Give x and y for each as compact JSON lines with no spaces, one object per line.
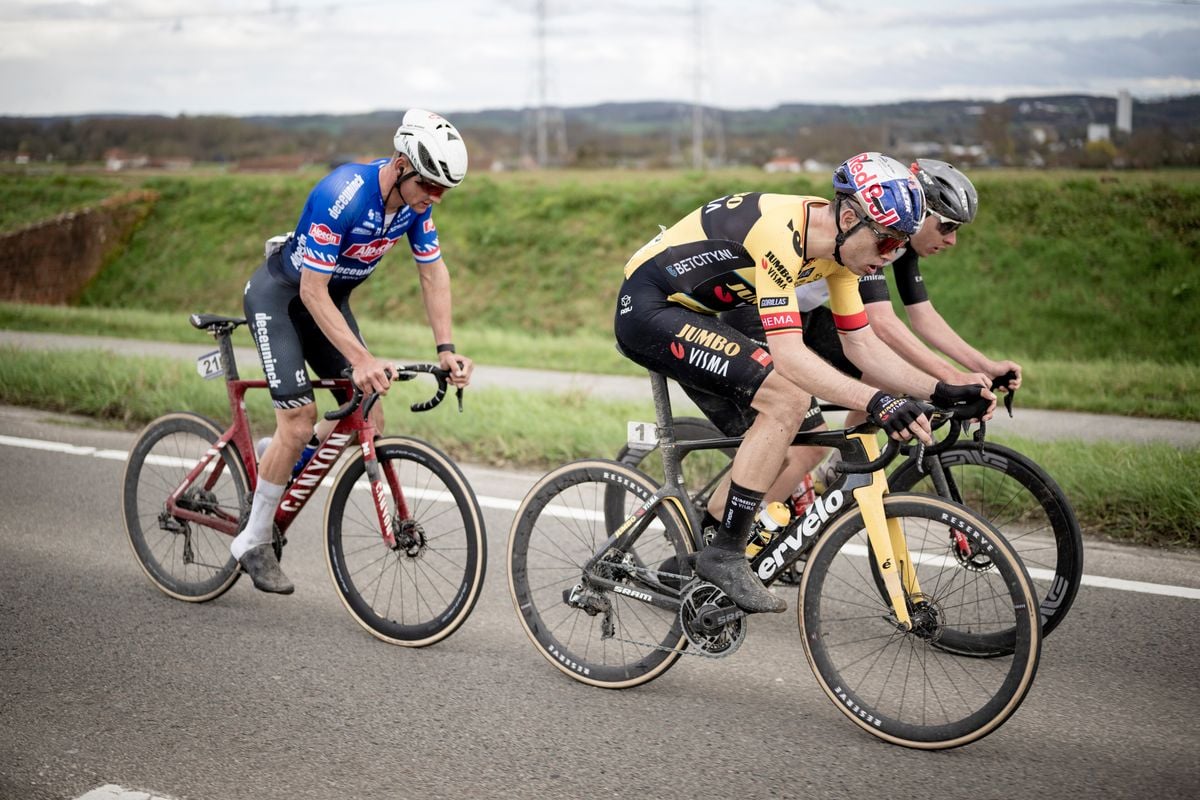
{"x":910,"y":284}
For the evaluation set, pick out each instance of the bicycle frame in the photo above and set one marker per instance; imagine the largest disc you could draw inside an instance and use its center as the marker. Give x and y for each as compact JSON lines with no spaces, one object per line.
{"x":887,"y":543}
{"x":303,"y":486}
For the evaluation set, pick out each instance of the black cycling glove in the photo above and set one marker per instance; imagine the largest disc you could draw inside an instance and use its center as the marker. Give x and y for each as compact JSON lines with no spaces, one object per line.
{"x":967,"y":401}
{"x":893,"y":414}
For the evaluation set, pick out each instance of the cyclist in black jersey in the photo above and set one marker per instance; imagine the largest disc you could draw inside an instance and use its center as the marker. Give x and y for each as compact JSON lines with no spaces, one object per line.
{"x":755,"y":249}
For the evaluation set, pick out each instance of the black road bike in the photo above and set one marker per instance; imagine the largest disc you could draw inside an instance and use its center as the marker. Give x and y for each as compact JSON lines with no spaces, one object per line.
{"x":1004,"y":486}
{"x":898,"y":592}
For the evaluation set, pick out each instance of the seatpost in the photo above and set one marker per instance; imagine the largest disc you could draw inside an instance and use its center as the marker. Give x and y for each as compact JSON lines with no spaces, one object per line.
{"x":224,"y":336}
{"x":666,"y":429}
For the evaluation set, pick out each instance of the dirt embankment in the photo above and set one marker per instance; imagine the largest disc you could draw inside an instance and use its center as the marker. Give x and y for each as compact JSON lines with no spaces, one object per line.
{"x":51,"y":261}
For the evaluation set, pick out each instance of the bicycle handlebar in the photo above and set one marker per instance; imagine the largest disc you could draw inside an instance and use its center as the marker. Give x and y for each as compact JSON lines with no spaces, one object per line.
{"x":406,"y":373}
{"x":954,"y":418}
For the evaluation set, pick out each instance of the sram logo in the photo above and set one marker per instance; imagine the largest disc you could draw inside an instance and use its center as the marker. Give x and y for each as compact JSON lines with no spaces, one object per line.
{"x":634,"y":593}
{"x":818,"y":514}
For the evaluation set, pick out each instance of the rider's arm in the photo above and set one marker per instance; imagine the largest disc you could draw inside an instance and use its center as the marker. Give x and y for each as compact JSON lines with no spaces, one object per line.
{"x":369,"y":372}
{"x":435,"y":293}
{"x":934,"y":329}
{"x":881,"y":367}
{"x":892,"y":331}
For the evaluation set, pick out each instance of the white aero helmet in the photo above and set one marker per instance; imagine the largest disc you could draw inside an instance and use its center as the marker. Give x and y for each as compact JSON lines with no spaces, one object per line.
{"x":433,"y":146}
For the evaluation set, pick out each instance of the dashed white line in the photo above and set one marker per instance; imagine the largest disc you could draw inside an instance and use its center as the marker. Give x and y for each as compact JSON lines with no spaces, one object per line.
{"x":505,"y":504}
{"x":110,"y":791}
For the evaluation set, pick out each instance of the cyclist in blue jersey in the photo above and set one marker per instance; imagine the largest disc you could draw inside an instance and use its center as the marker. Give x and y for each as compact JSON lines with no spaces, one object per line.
{"x":297,"y":303}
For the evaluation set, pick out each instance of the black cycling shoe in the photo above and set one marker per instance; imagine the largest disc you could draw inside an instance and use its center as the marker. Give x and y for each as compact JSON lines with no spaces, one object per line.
{"x":729,"y":570}
{"x":261,"y":564}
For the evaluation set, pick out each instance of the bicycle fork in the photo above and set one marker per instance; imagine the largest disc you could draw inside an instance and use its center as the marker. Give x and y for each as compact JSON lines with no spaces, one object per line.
{"x":888,"y":545}
{"x":382,"y":478}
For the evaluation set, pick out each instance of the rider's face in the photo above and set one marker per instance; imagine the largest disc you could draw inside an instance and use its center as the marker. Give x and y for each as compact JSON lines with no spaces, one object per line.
{"x":417,"y":193}
{"x":868,"y":249}
{"x":931,"y":239}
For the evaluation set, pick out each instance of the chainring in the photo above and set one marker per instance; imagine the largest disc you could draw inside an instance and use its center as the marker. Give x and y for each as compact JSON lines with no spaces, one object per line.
{"x":702,"y":599}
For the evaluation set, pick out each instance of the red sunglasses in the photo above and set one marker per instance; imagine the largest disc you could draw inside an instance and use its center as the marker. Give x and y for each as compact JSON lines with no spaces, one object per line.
{"x":431,"y":189}
{"x":885,"y":241}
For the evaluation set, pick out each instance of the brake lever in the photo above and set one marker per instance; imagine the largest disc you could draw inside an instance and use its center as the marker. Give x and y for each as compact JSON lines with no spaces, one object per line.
{"x":1001,"y":381}
{"x":920,"y":457}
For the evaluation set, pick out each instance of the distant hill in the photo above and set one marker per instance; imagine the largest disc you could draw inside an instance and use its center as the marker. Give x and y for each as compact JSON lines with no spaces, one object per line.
{"x":1024,"y":131}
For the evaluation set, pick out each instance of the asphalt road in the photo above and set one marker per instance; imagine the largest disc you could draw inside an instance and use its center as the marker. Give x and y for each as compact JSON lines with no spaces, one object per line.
{"x":104,"y":680}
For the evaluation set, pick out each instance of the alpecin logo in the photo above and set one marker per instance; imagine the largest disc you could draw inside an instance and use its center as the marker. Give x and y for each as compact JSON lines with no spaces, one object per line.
{"x":321,"y":233}
{"x":368,"y":252}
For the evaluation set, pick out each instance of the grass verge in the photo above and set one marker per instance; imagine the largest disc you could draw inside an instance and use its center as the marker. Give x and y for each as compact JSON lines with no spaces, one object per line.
{"x":1115,"y":386}
{"x":1118,"y":491}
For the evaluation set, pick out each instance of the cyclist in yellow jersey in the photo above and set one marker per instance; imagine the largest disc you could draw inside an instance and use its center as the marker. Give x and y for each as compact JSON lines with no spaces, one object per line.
{"x":757,"y":248}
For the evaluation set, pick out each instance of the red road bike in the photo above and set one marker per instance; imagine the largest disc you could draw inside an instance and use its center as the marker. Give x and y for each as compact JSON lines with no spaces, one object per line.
{"x":404,"y":535}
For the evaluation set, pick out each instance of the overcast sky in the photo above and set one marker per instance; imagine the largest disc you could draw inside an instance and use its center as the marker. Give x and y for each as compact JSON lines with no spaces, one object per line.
{"x":339,"y":56}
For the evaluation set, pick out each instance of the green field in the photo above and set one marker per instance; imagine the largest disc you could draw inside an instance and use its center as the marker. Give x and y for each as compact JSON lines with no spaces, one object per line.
{"x":1088,"y":279}
{"x":1058,"y":266}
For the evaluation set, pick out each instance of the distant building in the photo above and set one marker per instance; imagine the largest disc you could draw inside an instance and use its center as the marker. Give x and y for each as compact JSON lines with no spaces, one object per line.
{"x":1125,"y":112}
{"x":116,"y":159}
{"x":783,"y":164}
{"x":1098,"y":132}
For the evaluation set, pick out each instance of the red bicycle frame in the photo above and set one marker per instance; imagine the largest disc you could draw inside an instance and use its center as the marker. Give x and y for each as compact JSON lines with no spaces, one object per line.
{"x":353,"y":419}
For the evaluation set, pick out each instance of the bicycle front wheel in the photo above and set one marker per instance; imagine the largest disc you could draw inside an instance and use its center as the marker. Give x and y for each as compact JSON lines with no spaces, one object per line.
{"x":903,"y":686}
{"x":610,"y":639}
{"x":187,"y":559}
{"x":423,"y":590}
{"x":1026,"y":505}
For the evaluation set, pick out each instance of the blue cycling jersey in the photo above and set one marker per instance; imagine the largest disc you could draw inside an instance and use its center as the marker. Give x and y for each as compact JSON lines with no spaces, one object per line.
{"x":342,"y":230}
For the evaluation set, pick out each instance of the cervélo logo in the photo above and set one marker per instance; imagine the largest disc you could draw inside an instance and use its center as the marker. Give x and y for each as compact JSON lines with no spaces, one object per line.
{"x":818,"y":514}
{"x":321,"y":233}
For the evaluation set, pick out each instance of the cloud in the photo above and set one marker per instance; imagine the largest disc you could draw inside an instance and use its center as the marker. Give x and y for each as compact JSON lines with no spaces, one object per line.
{"x":343,"y":56}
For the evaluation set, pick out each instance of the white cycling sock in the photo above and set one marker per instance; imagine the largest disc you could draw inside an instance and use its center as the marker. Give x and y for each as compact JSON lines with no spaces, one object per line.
{"x":262,"y":516}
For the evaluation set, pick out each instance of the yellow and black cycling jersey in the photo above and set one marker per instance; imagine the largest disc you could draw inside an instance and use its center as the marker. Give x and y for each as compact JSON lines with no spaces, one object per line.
{"x":746,"y":248}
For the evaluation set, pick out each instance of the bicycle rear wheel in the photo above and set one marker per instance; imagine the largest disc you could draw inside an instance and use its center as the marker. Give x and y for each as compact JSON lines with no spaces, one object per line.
{"x":186,"y":559}
{"x":616,"y":640}
{"x":904,"y":686}
{"x":1026,"y":505}
{"x":424,"y":590}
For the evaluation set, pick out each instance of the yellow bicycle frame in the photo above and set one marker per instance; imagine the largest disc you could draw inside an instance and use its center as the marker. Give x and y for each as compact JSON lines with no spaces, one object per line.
{"x":887,"y":539}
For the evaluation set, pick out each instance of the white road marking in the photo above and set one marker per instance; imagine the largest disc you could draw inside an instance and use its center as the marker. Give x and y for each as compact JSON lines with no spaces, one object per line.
{"x":505,"y":504}
{"x":110,"y":791}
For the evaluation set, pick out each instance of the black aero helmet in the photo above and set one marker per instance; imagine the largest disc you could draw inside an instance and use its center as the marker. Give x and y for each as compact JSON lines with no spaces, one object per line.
{"x":948,"y":192}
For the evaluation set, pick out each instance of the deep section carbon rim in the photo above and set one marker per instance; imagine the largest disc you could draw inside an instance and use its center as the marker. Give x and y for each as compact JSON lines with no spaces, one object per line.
{"x":900,"y":685}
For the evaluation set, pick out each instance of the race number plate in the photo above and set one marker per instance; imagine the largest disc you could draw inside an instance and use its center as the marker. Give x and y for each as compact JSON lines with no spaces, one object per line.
{"x":209,"y":365}
{"x":642,"y":435}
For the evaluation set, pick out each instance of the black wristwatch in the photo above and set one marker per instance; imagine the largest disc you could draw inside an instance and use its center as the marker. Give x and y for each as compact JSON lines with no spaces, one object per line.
{"x":446,"y":347}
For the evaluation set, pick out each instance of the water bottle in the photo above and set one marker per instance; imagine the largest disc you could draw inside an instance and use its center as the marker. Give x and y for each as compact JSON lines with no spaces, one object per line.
{"x":306,"y":454}
{"x":770,"y":521}
{"x":803,"y":497}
